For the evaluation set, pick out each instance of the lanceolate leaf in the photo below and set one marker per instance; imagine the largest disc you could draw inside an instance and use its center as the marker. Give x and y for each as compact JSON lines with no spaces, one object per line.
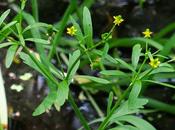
{"x":36,"y":25}
{"x":87,"y":26}
{"x":27,"y":60}
{"x":2,"y":45}
{"x":123,"y":110}
{"x":160,"y":83}
{"x":37,"y":40}
{"x":3,"y":16}
{"x":72,"y":68}
{"x":126,"y":65}
{"x":134,"y":101}
{"x":149,"y":41}
{"x":63,"y":91}
{"x":110,"y":100}
{"x":136,"y":52}
{"x":8,"y":25}
{"x":105,"y":51}
{"x":95,"y":79}
{"x":10,"y":55}
{"x":113,"y":73}
{"x":125,"y":127}
{"x":135,"y":92}
{"x":137,"y":122}
{"x":162,"y":69}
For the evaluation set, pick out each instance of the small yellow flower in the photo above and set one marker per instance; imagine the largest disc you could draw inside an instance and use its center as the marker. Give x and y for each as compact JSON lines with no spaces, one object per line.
{"x":147,"y":33}
{"x":71,"y":31}
{"x":118,"y":20}
{"x":154,"y":63}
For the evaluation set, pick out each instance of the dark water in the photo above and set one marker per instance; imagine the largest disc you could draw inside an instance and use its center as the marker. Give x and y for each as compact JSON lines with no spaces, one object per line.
{"x":155,"y":14}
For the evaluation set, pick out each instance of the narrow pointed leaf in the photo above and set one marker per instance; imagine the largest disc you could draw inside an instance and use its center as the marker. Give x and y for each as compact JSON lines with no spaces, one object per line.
{"x":10,"y":55}
{"x":3,"y":16}
{"x":87,"y":27}
{"x":136,"y":52}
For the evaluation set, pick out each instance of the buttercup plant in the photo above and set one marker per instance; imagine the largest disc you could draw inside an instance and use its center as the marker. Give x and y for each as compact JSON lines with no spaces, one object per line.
{"x":71,"y":31}
{"x":121,"y":113}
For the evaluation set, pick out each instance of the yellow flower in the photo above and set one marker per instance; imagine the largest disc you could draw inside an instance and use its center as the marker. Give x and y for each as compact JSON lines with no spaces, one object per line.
{"x":154,"y":62}
{"x":71,"y":31}
{"x":147,"y":33}
{"x":118,"y":20}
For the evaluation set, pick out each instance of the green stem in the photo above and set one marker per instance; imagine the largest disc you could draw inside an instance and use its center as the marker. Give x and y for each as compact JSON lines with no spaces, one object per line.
{"x":71,"y":100}
{"x":48,"y":75}
{"x":90,"y":49}
{"x":123,"y":96}
{"x":93,"y":102}
{"x":64,"y":20}
{"x":78,"y":113}
{"x":105,"y":122}
{"x":59,"y":62}
{"x":161,"y":106}
{"x":35,"y":10}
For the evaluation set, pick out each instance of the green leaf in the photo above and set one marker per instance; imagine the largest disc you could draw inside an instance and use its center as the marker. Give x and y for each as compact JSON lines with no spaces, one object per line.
{"x":168,"y":45}
{"x":136,"y":52}
{"x":135,"y":91}
{"x":105,"y":51}
{"x":37,"y":40}
{"x":36,"y":25}
{"x":126,"y":65}
{"x":110,"y":100}
{"x":144,"y":73}
{"x":57,"y":98}
{"x":108,"y":57}
{"x":10,"y":55}
{"x":3,"y":16}
{"x":134,"y":101}
{"x":164,"y":31}
{"x":162,"y":69}
{"x":160,"y":83}
{"x":95,"y":79}
{"x":125,"y":127}
{"x":56,"y":72}
{"x":46,"y":104}
{"x":9,"y":25}
{"x":72,"y":68}
{"x":87,"y":27}
{"x":36,"y":34}
{"x":123,"y":110}
{"x":63,"y":91}
{"x":149,"y":41}
{"x":113,"y":73}
{"x":2,"y":45}
{"x":79,"y":35}
{"x":19,"y":29}
{"x":137,"y":122}
{"x":27,"y":60}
